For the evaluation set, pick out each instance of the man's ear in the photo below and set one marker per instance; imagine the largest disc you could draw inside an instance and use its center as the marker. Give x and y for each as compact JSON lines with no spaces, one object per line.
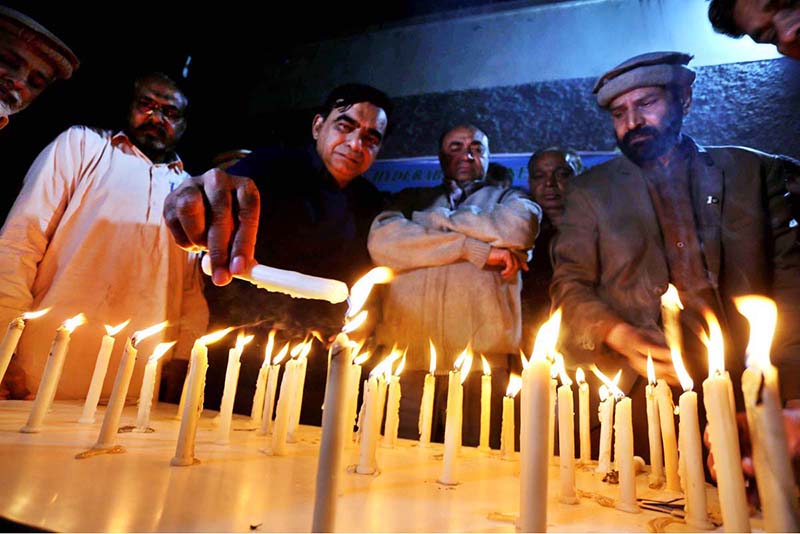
{"x":686,"y":99}
{"x":316,"y":125}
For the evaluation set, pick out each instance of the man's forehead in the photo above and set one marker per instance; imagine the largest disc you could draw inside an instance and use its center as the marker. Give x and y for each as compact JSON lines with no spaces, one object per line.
{"x":752,"y":16}
{"x":366,"y":114}
{"x":466,"y":135}
{"x":29,"y":54}
{"x":159,"y":90}
{"x":635,"y":94}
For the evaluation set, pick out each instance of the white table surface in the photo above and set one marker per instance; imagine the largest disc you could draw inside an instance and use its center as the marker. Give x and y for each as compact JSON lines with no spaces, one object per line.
{"x":237,"y":486}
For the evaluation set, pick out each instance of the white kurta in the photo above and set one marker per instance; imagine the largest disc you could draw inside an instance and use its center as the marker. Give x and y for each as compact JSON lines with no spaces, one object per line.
{"x":86,"y":235}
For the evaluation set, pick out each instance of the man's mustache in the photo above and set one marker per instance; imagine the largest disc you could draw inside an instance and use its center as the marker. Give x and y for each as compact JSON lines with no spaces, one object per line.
{"x":641,"y":131}
{"x":150,"y":127}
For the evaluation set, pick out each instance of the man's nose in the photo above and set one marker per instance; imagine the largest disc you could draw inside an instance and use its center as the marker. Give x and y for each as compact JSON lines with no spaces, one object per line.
{"x":354,"y":142}
{"x":787,"y":26}
{"x":635,"y":119}
{"x":551,"y":180}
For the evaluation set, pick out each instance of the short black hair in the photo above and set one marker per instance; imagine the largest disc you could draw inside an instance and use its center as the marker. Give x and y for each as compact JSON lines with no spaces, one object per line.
{"x":571,"y":156}
{"x":349,"y":94}
{"x":451,"y":128}
{"x":720,"y":13}
{"x":162,"y":77}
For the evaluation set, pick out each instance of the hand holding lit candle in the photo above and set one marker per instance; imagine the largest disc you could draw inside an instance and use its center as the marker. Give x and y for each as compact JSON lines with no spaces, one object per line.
{"x":292,"y":283}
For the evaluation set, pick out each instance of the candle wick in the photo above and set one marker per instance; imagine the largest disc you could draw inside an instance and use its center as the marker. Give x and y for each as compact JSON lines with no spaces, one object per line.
{"x":761,"y":384}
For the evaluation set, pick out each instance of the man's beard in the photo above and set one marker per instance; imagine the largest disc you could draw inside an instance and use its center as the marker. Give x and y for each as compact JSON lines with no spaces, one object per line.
{"x":659,"y":143}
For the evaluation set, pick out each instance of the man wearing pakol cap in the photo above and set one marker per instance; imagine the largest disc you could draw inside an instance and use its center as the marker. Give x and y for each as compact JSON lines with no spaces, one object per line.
{"x":31,"y":58}
{"x":712,"y":221}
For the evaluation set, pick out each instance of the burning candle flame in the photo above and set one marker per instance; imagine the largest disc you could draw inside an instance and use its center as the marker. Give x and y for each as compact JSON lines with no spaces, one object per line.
{"x":610,"y":384}
{"x":580,"y":377}
{"x":281,"y":354}
{"x":617,"y":377}
{"x":74,"y":322}
{"x":523,"y":359}
{"x":213,"y":337}
{"x":114,"y":330}
{"x":33,"y":315}
{"x":603,"y":392}
{"x":362,"y":288}
{"x":547,"y":337}
{"x":380,"y":369}
{"x":141,"y":335}
{"x":514,"y":385}
{"x":715,"y":344}
{"x":486,"y":369}
{"x":432,"y":368}
{"x":670,"y":298}
{"x":762,"y":314}
{"x":651,"y":370}
{"x":562,"y":370}
{"x":160,"y":350}
{"x":242,"y":340}
{"x":355,"y":322}
{"x":400,"y":366}
{"x":466,"y":364}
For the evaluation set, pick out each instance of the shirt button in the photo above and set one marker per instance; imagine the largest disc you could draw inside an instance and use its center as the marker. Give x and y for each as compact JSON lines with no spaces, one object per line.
{"x":680,"y":244}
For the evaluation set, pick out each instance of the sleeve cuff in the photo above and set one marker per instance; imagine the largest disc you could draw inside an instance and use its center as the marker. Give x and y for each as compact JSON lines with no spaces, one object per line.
{"x":477,"y":252}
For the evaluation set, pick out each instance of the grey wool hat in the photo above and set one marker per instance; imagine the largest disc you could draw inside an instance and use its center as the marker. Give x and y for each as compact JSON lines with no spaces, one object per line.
{"x":47,"y":45}
{"x":653,"y":68}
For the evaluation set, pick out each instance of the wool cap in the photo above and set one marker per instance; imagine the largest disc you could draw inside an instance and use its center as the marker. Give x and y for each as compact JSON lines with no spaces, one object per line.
{"x":48,"y":46}
{"x":653,"y":68}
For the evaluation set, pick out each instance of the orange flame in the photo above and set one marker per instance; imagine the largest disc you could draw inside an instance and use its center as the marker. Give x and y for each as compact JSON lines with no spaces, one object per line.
{"x":610,"y":384}
{"x":114,"y":330}
{"x":432,"y":367}
{"x":141,"y":335}
{"x":160,"y":350}
{"x":33,"y":315}
{"x":361,"y":358}
{"x":580,"y":377}
{"x":281,"y":354}
{"x":213,"y":337}
{"x":651,"y":370}
{"x":762,"y":314}
{"x":355,"y":322}
{"x":514,"y":385}
{"x":486,"y":369}
{"x":363,"y":287}
{"x":715,"y":344}
{"x":74,"y":322}
{"x":547,"y":337}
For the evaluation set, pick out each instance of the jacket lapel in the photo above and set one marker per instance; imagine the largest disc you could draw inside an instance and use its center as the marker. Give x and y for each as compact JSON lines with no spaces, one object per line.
{"x":708,"y":190}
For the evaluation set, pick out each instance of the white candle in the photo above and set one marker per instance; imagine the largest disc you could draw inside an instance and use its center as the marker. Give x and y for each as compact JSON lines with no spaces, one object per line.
{"x":290,"y":282}
{"x":623,"y":456}
{"x":333,"y":435}
{"x":691,"y":453}
{"x":283,"y":412}
{"x":486,"y":405}
{"x":426,"y":405}
{"x":99,"y":374}
{"x":393,"y":409}
{"x":52,"y":374}
{"x":382,"y":389}
{"x":585,"y":424}
{"x":269,"y":394}
{"x":149,"y":386}
{"x":184,"y":450}
{"x":723,"y":434}
{"x":184,"y":389}
{"x":606,"y":416}
{"x":452,"y":431}
{"x":370,"y":429}
{"x":666,"y":415}
{"x":507,"y":427}
{"x":297,"y":404}
{"x":656,"y":477}
{"x":535,"y":412}
{"x":261,"y":382}
{"x":771,"y":459}
{"x":229,"y":390}
{"x":11,"y":339}
{"x":566,"y":442}
{"x":354,"y":384}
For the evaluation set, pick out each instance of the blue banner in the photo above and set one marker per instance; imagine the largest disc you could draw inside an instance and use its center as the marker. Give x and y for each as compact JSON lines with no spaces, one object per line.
{"x":395,"y":174}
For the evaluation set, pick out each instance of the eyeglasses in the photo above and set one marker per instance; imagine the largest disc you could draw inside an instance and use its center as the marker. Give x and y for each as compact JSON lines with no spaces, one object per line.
{"x":149,"y":106}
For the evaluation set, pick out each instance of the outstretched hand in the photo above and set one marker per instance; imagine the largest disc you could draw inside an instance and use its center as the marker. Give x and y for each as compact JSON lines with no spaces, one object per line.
{"x":217,"y":212}
{"x":506,"y":261}
{"x":635,"y":344}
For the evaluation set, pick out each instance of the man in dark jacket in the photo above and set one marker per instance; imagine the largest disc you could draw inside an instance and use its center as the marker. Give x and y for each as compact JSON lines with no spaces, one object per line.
{"x":714,"y":222}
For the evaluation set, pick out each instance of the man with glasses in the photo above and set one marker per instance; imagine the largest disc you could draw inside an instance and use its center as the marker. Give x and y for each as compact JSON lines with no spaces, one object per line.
{"x":86,"y":235}
{"x":457,"y":250}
